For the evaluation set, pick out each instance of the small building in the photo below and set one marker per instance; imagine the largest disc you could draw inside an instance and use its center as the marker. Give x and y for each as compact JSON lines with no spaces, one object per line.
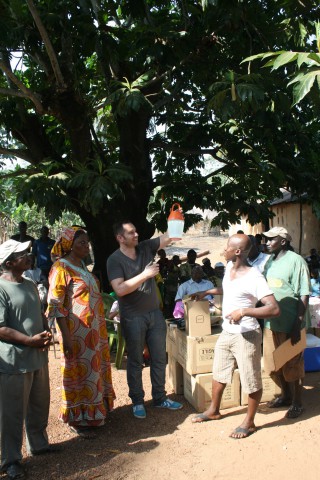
{"x":293,"y":213}
{"x":246,"y":227}
{"x":296,"y":215}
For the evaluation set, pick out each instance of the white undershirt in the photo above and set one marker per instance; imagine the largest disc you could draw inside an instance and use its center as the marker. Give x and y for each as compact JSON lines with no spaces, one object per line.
{"x":243,"y":292}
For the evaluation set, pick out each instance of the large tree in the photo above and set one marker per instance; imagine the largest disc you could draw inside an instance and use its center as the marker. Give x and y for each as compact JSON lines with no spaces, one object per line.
{"x":114,"y":105}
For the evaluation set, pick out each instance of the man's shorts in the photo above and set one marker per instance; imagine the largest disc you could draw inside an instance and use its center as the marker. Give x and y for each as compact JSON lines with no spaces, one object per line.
{"x":244,"y":350}
{"x":292,"y":370}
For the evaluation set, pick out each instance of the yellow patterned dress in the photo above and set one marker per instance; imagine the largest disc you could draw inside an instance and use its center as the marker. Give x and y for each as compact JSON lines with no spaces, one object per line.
{"x":87,"y":392}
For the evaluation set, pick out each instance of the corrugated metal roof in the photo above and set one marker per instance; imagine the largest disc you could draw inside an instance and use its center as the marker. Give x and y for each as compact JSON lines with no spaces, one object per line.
{"x":287,"y":197}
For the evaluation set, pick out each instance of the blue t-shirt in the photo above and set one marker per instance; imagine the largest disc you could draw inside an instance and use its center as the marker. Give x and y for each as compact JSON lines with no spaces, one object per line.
{"x":315,"y":287}
{"x":42,"y":251}
{"x":190,"y":286}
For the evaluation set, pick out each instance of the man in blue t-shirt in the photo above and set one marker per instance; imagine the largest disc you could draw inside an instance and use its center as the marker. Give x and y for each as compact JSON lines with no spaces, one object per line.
{"x":42,"y":249}
{"x":196,"y":284}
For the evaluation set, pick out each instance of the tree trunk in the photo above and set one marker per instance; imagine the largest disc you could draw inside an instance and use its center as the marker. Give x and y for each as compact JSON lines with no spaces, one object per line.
{"x":134,"y":152}
{"x":103,"y":243}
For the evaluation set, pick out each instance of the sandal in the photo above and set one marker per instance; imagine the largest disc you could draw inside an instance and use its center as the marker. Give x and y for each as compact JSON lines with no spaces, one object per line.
{"x":279,"y":402}
{"x":241,"y":432}
{"x":294,"y":411}
{"x":202,"y":417}
{"x":83,"y":432}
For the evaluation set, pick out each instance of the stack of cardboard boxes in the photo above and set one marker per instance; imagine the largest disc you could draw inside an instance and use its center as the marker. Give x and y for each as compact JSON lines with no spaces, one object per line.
{"x":190,"y":358}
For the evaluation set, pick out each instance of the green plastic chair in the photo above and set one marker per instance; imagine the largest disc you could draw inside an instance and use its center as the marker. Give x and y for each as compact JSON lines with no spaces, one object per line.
{"x":121,"y":346}
{"x":113,"y":334}
{"x":107,"y":302}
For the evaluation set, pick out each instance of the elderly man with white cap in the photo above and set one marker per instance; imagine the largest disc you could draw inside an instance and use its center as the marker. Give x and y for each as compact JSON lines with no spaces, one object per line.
{"x":24,"y":379}
{"x":287,"y":275}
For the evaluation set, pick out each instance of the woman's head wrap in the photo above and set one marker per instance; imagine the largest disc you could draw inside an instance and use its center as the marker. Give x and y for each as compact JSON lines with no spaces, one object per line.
{"x":64,"y":242}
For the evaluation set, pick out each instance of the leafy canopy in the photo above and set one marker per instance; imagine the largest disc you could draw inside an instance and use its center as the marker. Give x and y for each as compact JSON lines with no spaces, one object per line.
{"x":115,"y":106}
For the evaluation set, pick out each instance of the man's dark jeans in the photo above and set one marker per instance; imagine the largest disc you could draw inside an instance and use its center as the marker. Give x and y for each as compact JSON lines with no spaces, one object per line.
{"x":150,"y":329}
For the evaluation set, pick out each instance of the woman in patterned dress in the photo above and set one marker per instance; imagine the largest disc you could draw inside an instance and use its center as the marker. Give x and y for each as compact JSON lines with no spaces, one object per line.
{"x":75,"y":301}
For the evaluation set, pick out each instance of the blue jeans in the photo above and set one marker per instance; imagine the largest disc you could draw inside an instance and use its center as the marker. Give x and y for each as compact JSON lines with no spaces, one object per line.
{"x":149,"y":328}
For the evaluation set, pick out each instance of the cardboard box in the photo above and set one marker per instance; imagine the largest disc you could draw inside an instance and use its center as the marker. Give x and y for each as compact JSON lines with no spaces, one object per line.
{"x":198,"y":391}
{"x":286,"y":351}
{"x":197,"y":318}
{"x":171,"y":340}
{"x":312,"y":359}
{"x":195,"y":354}
{"x":269,"y":390}
{"x":175,"y":375}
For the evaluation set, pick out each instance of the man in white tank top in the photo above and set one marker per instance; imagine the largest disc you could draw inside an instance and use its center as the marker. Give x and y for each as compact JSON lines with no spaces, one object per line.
{"x":240,"y":341}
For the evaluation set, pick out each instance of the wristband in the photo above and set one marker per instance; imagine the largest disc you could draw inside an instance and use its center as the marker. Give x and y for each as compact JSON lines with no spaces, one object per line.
{"x":241,"y":312}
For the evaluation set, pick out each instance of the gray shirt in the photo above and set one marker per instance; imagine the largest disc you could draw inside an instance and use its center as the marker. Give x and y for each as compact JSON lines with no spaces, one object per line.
{"x":144,"y":299}
{"x":20,"y":309}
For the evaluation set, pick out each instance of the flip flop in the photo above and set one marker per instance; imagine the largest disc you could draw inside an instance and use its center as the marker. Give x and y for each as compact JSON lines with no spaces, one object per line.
{"x":294,"y":411}
{"x":279,"y":402}
{"x":245,"y":432}
{"x":202,"y":417}
{"x":83,"y":433}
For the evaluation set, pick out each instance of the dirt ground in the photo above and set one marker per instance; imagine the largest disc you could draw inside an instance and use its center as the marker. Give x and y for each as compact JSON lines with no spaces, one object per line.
{"x":166,"y":445}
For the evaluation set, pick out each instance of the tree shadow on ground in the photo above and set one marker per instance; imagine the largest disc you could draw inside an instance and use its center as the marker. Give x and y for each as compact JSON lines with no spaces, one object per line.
{"x":123,"y":438}
{"x":122,"y":434}
{"x":310,"y":401}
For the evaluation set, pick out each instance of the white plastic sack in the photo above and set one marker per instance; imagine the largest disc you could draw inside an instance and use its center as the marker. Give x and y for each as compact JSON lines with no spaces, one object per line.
{"x":312,"y":341}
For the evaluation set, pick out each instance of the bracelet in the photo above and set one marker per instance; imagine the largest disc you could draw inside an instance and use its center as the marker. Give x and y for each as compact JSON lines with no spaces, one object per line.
{"x":241,"y":312}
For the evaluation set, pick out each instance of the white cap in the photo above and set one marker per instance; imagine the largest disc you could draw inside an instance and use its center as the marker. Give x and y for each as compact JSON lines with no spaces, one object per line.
{"x":278,"y":232}
{"x":12,"y":246}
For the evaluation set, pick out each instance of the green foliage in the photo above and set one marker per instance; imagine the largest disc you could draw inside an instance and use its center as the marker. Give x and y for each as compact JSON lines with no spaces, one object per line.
{"x":118,"y":114}
{"x":308,"y":63}
{"x":34,"y":216}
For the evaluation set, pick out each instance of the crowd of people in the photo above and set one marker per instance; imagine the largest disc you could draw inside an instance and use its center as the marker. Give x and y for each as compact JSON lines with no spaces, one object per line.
{"x":178,"y":277}
{"x":269,"y":283}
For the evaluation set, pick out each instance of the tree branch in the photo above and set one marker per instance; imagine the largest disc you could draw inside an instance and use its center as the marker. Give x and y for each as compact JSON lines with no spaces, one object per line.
{"x":97,"y":144}
{"x":48,"y":45}
{"x":17,"y":152}
{"x":19,"y":172}
{"x":215,"y":172}
{"x":28,"y":93}
{"x":148,"y":14}
{"x":186,"y":151}
{"x":10,"y":92}
{"x":96,"y":10}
